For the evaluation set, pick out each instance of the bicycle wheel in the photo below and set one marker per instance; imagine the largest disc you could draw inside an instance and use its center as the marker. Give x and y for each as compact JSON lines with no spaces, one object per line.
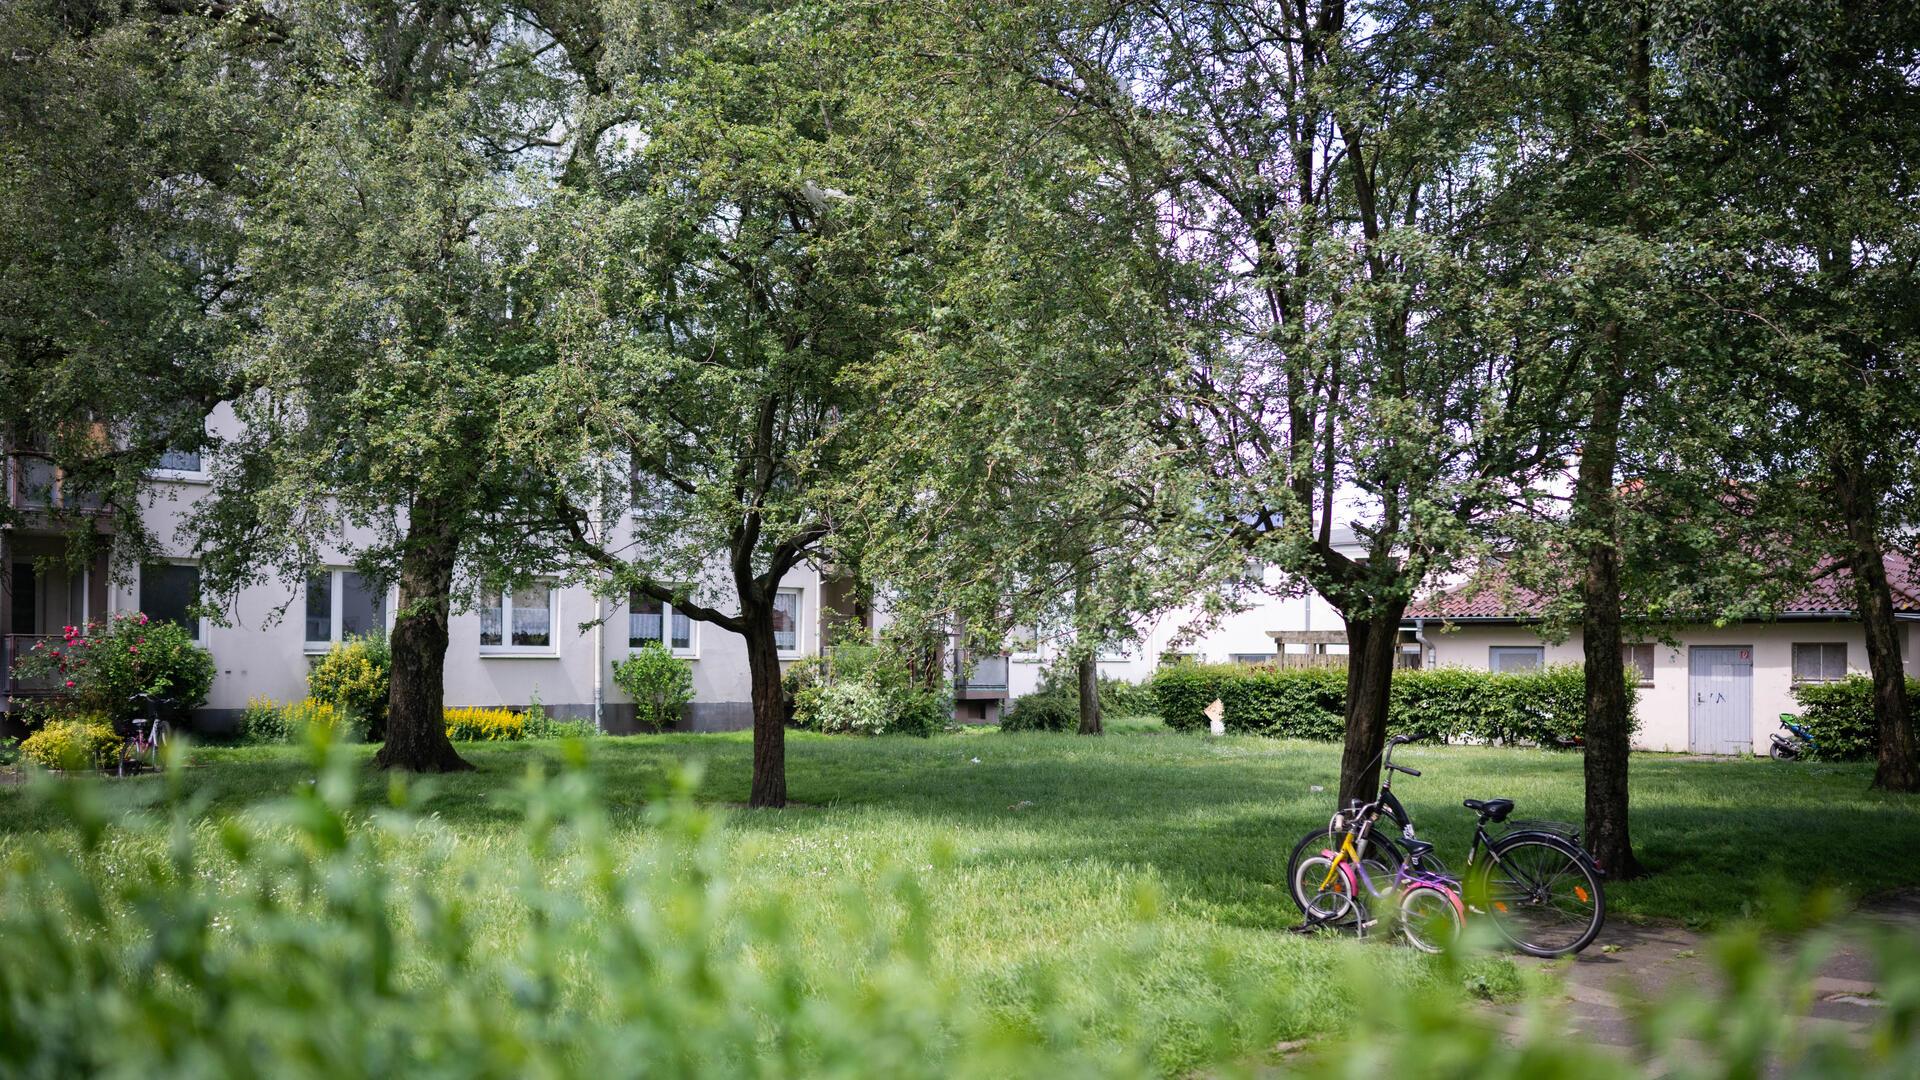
{"x":1382,"y":860}
{"x":1542,"y":892}
{"x":1431,"y":918}
{"x":1330,"y":899}
{"x":162,"y":734}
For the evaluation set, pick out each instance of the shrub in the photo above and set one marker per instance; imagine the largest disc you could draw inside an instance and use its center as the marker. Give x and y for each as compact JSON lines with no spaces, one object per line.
{"x":1840,"y":716}
{"x":1055,"y":705}
{"x":354,"y":675}
{"x":849,"y":708}
{"x":266,"y":721}
{"x":536,"y":724}
{"x":1542,"y":707}
{"x":101,"y":666}
{"x":660,"y":684}
{"x":74,"y":745}
{"x":918,"y":711}
{"x":473,"y":724}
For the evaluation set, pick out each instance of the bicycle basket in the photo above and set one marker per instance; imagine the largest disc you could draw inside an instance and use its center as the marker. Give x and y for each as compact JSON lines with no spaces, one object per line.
{"x":1562,"y":829}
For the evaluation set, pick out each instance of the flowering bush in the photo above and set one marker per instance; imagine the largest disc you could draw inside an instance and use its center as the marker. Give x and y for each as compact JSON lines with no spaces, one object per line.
{"x":100,"y":667}
{"x":73,"y":745}
{"x":473,"y":724}
{"x":267,"y":721}
{"x":354,"y":676}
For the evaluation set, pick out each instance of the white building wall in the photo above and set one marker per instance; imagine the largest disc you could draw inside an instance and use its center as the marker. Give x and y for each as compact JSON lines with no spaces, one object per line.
{"x":261,"y":649}
{"x":1664,"y":706}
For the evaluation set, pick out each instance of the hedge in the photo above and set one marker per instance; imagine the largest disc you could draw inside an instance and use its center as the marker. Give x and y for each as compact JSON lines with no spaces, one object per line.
{"x":1544,"y":706}
{"x":1840,"y":716}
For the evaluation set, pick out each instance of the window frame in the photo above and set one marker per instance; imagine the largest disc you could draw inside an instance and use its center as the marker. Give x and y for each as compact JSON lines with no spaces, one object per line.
{"x":336,"y":609}
{"x":1653,"y":660}
{"x":799,"y":626}
{"x":199,"y":473}
{"x":202,"y":629}
{"x":1539,"y":652}
{"x":506,"y":649}
{"x":667,"y":612}
{"x":1793,"y":662}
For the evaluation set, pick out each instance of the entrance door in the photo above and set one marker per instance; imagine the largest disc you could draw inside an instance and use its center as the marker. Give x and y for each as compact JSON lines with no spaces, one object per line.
{"x":1720,"y":685}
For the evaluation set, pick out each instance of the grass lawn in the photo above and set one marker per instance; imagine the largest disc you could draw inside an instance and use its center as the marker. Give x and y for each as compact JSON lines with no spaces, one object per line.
{"x":1040,"y":849}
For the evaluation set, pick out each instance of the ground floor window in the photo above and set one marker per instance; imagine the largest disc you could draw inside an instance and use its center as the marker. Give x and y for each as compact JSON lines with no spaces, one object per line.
{"x":1638,"y":659}
{"x":168,"y":593}
{"x":1516,"y":657}
{"x":520,"y":620}
{"x":342,"y":604}
{"x":649,"y":619}
{"x":1819,"y":661}
{"x":786,"y":620}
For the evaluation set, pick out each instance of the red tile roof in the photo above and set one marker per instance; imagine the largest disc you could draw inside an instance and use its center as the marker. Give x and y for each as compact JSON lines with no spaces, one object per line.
{"x":1491,"y":596}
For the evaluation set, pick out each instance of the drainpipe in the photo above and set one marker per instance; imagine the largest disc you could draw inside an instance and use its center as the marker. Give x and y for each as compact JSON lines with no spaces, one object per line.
{"x":600,"y":637}
{"x":1426,"y":647}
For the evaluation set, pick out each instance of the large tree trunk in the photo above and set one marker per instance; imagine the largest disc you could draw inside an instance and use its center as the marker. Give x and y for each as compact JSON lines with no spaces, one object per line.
{"x":1370,"y":652}
{"x":1089,"y":673}
{"x":769,"y":706}
{"x":1897,"y":768}
{"x":1609,"y":731}
{"x":416,"y":721}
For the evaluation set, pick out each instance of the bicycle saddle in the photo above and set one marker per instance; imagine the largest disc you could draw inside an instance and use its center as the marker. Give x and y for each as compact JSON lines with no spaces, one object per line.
{"x":1494,"y":809}
{"x":1416,"y":848}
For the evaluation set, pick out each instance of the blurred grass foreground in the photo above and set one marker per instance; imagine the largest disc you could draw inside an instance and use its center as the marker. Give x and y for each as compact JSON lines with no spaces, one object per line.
{"x":314,"y":936}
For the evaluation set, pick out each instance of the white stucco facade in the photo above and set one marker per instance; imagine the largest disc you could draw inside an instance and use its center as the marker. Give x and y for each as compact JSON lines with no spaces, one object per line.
{"x":1666,"y":707}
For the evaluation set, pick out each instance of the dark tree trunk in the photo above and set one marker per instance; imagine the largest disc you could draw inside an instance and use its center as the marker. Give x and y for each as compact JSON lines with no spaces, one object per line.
{"x":1089,"y":673}
{"x":1370,"y":651}
{"x":769,"y":705}
{"x":1609,"y":730}
{"x":1897,"y":768}
{"x":416,"y":721}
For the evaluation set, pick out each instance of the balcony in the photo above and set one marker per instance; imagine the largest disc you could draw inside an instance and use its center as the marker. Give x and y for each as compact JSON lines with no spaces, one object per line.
{"x":35,"y":483}
{"x":974,"y":679}
{"x":17,"y":646}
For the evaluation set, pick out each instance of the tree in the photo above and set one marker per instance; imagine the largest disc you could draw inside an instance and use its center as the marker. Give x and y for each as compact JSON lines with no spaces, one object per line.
{"x":715,"y":288}
{"x":381,"y":251}
{"x":1359,"y":357}
{"x":1820,"y":102}
{"x":118,"y":181}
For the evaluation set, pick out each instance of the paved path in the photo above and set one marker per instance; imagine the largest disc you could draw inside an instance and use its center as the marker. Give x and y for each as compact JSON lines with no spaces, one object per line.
{"x":1648,"y":962}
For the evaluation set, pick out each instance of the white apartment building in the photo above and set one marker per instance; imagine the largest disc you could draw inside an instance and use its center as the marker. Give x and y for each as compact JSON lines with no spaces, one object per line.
{"x":553,"y":642}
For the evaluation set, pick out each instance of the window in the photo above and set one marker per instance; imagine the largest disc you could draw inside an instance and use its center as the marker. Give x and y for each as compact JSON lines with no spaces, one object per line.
{"x":1254,"y":658}
{"x":786,"y":620}
{"x":1254,"y":572}
{"x":520,"y":620}
{"x":342,"y":604}
{"x":650,"y":620}
{"x":180,"y":461}
{"x":1824,"y":661}
{"x":168,"y":592}
{"x":1516,"y":657}
{"x":1639,"y":660}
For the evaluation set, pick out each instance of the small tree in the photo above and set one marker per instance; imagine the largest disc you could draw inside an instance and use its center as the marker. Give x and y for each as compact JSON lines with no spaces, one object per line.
{"x":660,"y":684}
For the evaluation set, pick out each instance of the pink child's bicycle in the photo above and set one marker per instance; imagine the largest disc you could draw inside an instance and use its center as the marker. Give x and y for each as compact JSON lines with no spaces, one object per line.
{"x":150,"y":733}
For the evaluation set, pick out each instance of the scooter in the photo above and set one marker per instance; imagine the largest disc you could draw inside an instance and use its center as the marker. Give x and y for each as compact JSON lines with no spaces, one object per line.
{"x":1793,"y":746}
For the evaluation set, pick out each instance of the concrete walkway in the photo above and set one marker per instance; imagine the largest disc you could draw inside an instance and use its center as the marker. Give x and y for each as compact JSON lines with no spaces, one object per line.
{"x":1647,"y":963}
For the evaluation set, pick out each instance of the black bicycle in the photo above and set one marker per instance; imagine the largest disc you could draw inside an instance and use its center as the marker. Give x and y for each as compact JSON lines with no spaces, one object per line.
{"x":1533,"y":880}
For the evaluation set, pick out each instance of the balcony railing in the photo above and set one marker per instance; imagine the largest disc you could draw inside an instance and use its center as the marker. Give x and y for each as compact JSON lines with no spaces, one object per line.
{"x":986,"y":673}
{"x":34,"y":482}
{"x":17,"y":646}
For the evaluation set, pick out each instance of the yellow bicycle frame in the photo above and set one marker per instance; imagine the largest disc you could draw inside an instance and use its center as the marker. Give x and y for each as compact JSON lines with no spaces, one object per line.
{"x":1347,"y":852}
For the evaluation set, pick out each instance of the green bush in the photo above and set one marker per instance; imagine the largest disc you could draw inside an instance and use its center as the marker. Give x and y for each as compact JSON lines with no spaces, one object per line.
{"x":660,"y":684}
{"x":354,"y":676}
{"x":849,"y":708}
{"x":865,"y":690}
{"x":538,"y":725}
{"x":74,"y":745}
{"x":99,"y":667}
{"x":308,"y":937}
{"x":266,"y":721}
{"x":1440,"y":704}
{"x":1840,"y":716}
{"x":1055,"y":704}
